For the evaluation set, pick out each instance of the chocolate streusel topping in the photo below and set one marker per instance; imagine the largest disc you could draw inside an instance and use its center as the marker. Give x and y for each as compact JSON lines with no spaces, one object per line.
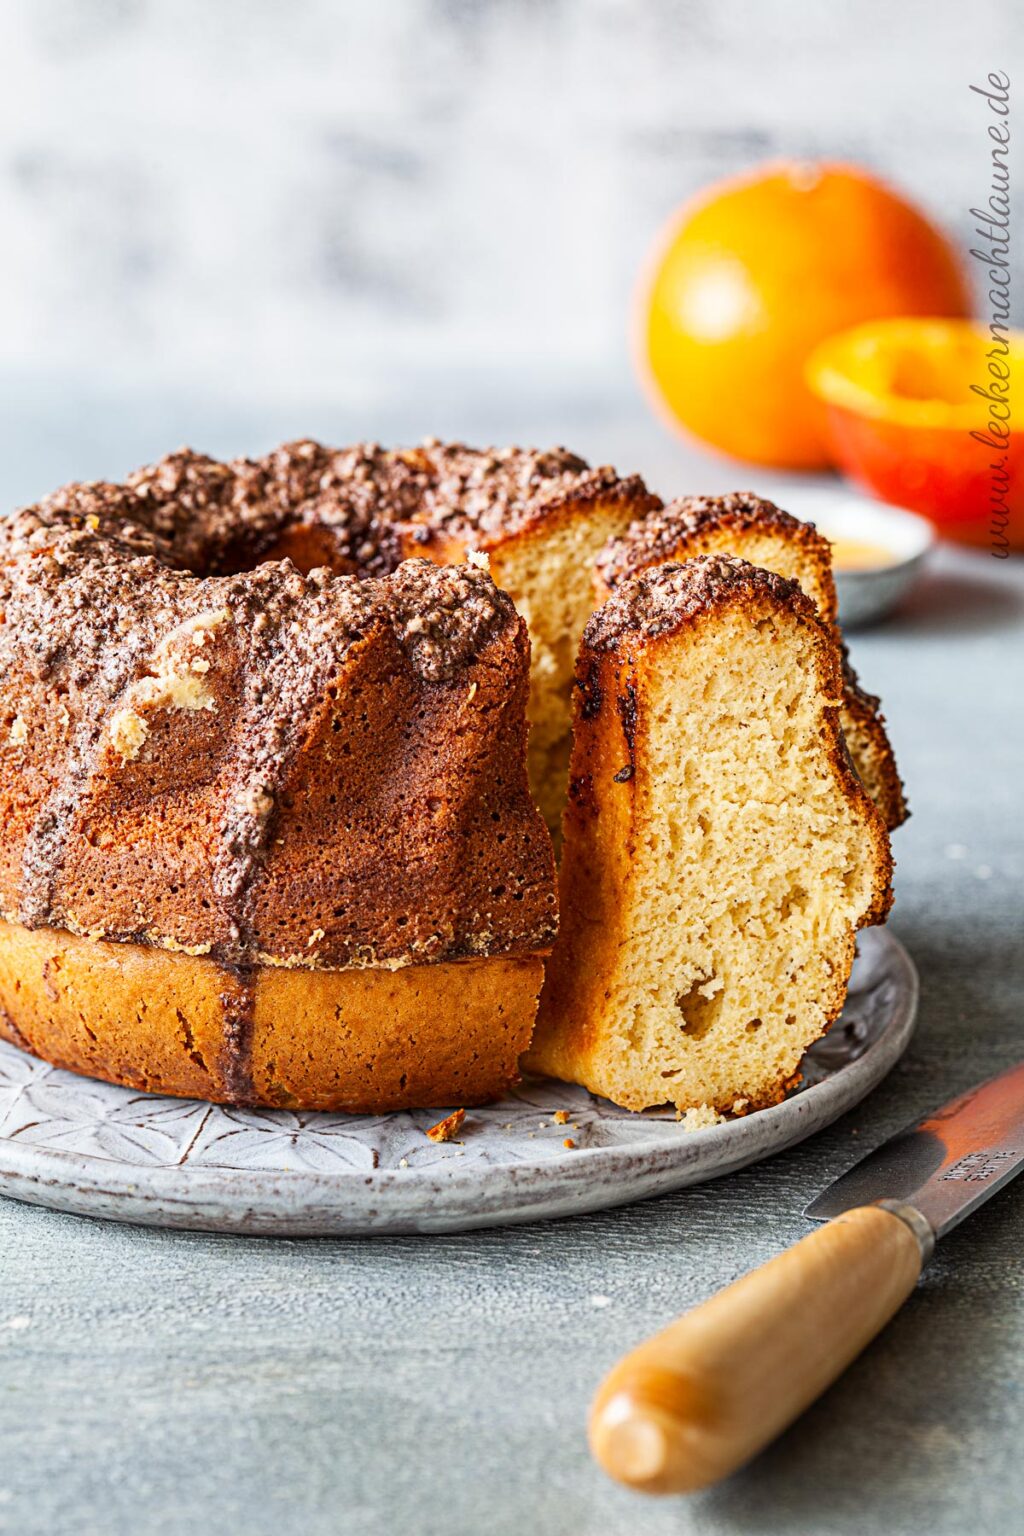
{"x":667,"y":596}
{"x":436,"y":488}
{"x":443,"y":615}
{"x":656,"y":538}
{"x":379,"y":504}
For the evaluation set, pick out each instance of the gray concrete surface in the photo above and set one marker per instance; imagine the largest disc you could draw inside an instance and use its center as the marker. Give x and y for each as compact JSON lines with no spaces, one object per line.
{"x":159,"y":1384}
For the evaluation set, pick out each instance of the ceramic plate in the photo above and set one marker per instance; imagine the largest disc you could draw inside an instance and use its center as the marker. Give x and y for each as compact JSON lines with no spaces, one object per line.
{"x":75,"y":1144}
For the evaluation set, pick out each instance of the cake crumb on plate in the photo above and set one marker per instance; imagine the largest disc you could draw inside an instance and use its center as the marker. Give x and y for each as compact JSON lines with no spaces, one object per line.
{"x":448,"y":1128}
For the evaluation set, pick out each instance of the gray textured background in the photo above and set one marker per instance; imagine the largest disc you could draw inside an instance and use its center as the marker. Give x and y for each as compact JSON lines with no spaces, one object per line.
{"x":298,"y":196}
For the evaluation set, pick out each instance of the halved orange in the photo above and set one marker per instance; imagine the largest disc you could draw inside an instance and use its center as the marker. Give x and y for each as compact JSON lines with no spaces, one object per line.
{"x":929,"y":414}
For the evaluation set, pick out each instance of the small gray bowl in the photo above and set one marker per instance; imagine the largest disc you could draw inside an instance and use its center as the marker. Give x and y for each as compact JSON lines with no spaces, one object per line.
{"x":867,"y":595}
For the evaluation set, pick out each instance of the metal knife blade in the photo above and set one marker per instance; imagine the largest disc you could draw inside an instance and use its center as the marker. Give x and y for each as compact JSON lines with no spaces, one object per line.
{"x":946,"y":1165}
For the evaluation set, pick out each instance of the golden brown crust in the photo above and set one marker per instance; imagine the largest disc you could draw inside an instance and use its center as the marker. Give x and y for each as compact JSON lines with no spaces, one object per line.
{"x":868,"y":740}
{"x":595,"y":869}
{"x":362,"y":1041}
{"x":579,"y":1029}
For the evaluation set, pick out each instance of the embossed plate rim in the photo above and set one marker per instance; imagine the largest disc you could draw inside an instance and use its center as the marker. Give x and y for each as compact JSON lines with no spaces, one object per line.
{"x":449,"y":1194}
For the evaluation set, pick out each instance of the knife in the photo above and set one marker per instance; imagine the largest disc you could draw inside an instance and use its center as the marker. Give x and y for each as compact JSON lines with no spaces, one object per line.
{"x":702,"y":1397}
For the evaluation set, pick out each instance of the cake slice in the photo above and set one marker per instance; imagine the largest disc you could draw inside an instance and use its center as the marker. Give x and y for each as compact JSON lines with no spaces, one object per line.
{"x":720,"y":853}
{"x":758,"y":531}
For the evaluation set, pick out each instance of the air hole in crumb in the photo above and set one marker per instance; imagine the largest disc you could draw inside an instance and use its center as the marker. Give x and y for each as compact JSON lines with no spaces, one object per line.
{"x":795,"y":901}
{"x":698,"y":1012}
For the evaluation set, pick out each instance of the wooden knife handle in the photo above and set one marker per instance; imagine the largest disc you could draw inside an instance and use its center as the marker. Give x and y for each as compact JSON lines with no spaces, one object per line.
{"x":699,"y":1399}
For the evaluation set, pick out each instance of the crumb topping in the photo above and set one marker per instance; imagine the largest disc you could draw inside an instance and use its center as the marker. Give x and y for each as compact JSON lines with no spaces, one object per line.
{"x":666,"y":596}
{"x":445,"y":614}
{"x":656,"y":538}
{"x":212,"y":518}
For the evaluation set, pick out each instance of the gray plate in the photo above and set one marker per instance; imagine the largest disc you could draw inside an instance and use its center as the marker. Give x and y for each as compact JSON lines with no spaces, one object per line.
{"x":78,"y":1145}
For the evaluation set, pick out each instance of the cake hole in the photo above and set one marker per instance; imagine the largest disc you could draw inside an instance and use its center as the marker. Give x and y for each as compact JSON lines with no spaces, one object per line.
{"x":795,"y":901}
{"x":698,"y":1012}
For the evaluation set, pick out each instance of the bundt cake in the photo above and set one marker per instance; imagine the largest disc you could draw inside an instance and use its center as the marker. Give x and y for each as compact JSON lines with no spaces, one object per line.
{"x":756,"y":530}
{"x":268,"y":837}
{"x":720,"y":853}
{"x":266,"y":788}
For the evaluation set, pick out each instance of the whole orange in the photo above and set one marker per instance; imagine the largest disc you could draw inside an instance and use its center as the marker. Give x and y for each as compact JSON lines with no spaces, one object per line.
{"x":749,"y":277}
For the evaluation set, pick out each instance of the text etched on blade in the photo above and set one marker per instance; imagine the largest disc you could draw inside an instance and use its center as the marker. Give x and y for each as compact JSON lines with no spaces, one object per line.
{"x":976,"y":1167}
